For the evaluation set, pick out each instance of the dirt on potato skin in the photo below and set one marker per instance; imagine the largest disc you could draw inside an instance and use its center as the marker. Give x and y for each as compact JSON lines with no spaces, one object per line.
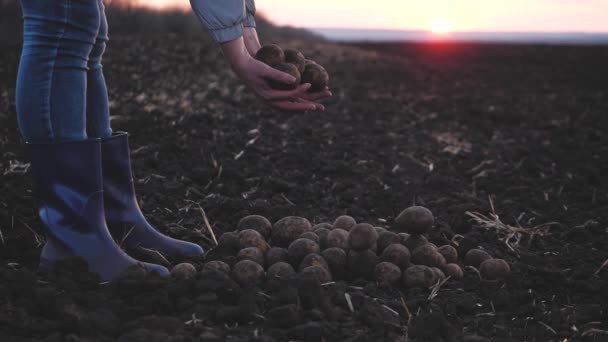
{"x":439,"y":125}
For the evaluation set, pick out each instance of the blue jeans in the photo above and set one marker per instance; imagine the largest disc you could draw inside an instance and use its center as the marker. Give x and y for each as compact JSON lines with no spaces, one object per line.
{"x":61,"y":90}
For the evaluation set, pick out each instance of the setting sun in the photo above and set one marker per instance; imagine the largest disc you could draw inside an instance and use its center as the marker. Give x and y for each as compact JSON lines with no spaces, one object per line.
{"x":441,"y":27}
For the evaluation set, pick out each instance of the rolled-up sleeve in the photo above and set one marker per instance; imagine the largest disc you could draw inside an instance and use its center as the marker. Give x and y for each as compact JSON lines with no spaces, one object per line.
{"x":250,"y":15}
{"x":223,"y":18}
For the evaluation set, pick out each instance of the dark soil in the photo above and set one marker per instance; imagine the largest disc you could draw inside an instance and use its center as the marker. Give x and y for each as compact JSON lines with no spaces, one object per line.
{"x":449,"y":127}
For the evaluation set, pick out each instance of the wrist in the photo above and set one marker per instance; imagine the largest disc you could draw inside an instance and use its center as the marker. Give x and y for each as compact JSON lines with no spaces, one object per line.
{"x":252,"y":42}
{"x":236,"y":53}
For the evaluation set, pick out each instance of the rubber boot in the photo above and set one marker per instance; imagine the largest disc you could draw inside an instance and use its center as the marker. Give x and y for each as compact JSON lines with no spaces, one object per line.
{"x":67,"y":176}
{"x":123,"y":215}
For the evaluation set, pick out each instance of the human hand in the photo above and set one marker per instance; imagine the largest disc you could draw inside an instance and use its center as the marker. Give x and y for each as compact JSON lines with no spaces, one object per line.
{"x":256,"y":75}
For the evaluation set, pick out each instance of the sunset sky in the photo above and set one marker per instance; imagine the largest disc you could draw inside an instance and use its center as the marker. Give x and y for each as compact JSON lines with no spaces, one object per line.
{"x":456,"y":15}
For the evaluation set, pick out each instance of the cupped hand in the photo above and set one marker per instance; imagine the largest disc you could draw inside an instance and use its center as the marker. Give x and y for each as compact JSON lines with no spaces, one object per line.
{"x":256,"y":75}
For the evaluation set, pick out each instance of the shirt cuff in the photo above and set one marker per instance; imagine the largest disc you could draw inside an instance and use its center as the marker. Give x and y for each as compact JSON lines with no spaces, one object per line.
{"x":249,"y":20}
{"x":227,"y":34}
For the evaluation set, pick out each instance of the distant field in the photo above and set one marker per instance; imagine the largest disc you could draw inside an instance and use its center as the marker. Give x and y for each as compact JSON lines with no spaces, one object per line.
{"x":378,"y":35}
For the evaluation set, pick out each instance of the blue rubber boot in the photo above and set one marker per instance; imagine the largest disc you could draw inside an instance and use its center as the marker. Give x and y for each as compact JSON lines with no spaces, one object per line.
{"x":67,"y":176}
{"x":123,"y":215}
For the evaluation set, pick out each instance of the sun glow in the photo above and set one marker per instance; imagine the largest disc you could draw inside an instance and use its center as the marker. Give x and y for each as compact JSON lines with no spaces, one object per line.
{"x":441,"y":27}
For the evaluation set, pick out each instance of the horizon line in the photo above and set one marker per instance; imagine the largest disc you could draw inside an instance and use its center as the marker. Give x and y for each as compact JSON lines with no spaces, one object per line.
{"x":455,"y":31}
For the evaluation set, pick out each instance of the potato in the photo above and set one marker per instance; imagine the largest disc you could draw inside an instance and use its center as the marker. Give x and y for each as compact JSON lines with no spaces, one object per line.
{"x":362,"y":236}
{"x":387,"y":238}
{"x":414,"y":220}
{"x":256,"y":222}
{"x":299,"y":249}
{"x":494,"y":269}
{"x":397,"y":254}
{"x":475,"y":257}
{"x":453,"y":271}
{"x":228,"y":243}
{"x":310,"y":236}
{"x":449,"y":253}
{"x":338,"y":238}
{"x":344,"y":222}
{"x":247,"y":273}
{"x":309,"y":61}
{"x":287,"y":229}
{"x":251,"y":253}
{"x":287,"y":68}
{"x":336,"y":260}
{"x":361,"y":264}
{"x":325,"y":225}
{"x":183,"y":271}
{"x":276,"y":254}
{"x":251,"y":238}
{"x":403,"y":237}
{"x":439,"y":275}
{"x":380,"y":229}
{"x":322,"y":233}
{"x":280,"y":270}
{"x":419,"y":276}
{"x":296,"y":58}
{"x":229,"y":259}
{"x":313,"y":259}
{"x":217,"y":265}
{"x":415,"y":241}
{"x":270,"y":54}
{"x":427,"y":255}
{"x":317,"y":76}
{"x":319,"y":273}
{"x":387,"y":273}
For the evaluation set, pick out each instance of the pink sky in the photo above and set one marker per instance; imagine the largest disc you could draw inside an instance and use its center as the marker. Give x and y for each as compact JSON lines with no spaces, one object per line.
{"x":462,"y":15}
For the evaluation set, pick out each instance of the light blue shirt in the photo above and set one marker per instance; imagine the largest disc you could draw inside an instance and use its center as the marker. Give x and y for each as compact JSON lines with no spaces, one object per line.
{"x":225,"y":19}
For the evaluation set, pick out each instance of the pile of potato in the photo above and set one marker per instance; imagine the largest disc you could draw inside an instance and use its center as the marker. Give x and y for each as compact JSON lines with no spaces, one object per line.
{"x":294,"y":63}
{"x":346,"y":250}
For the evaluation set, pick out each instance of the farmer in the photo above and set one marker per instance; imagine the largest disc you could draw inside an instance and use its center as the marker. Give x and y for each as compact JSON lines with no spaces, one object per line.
{"x":81,"y":169}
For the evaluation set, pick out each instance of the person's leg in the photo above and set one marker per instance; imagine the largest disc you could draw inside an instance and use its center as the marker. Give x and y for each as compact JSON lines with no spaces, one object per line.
{"x":123,"y":215}
{"x":52,"y":79}
{"x":66,"y":166}
{"x":125,"y":220}
{"x":98,"y":112}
